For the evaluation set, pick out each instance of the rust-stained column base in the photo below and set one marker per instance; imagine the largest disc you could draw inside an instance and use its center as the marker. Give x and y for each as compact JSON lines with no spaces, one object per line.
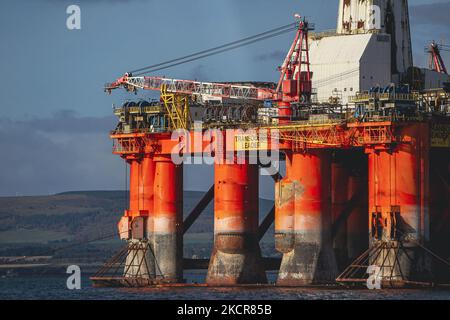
{"x":167,"y":229}
{"x":310,"y":259}
{"x":236,"y":259}
{"x":399,"y":206}
{"x":307,"y":264}
{"x":139,"y":262}
{"x":400,"y":262}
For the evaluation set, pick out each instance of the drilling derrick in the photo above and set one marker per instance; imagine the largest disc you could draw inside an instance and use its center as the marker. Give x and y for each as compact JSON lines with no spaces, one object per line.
{"x":294,"y":85}
{"x":389,"y":17}
{"x":436,"y":63}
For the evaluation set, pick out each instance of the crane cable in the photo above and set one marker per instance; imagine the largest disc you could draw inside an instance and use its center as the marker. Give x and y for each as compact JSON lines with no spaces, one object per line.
{"x":216,"y":50}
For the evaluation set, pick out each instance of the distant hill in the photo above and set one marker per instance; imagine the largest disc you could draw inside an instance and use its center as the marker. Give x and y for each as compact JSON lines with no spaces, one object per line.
{"x":37,"y":225}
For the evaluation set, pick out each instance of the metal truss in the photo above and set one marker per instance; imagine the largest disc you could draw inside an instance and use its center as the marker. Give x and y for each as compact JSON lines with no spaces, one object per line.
{"x":190,"y":87}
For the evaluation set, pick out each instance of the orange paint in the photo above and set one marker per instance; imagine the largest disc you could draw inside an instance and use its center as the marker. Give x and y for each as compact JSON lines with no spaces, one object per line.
{"x":167,"y":223}
{"x":285,"y":210}
{"x":142,"y":172}
{"x":284,"y":112}
{"x":168,"y":196}
{"x":236,"y":256}
{"x":398,"y":182}
{"x":312,"y":259}
{"x":312,"y":172}
{"x":134,"y":187}
{"x":308,"y":200}
{"x":236,"y":198}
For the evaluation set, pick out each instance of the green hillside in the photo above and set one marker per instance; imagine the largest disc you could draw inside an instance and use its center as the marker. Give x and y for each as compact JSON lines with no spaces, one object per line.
{"x":66,"y":221}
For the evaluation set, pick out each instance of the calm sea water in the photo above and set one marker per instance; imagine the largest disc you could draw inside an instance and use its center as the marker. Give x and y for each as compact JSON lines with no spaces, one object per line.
{"x":54,"y":287}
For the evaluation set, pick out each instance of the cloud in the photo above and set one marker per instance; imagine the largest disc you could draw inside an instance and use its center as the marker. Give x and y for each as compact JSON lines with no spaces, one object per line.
{"x":61,"y":153}
{"x":68,"y":121}
{"x":199,"y":73}
{"x":429,"y":22}
{"x":67,"y":152}
{"x":278,"y":55}
{"x":431,"y":14}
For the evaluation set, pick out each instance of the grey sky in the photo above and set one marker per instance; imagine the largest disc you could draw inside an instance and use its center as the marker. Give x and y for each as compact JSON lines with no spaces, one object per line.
{"x":54,"y":116}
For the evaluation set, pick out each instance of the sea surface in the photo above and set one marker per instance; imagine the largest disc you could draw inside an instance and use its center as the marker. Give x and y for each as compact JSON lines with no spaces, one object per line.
{"x":54,"y":287}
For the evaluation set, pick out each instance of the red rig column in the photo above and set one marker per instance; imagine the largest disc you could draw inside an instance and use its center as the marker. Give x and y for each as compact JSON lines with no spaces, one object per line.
{"x":236,"y":257}
{"x":136,"y":224}
{"x":339,"y":200}
{"x":349,"y":198}
{"x":357,"y":241}
{"x":398,"y":204}
{"x":285,"y":210}
{"x":167,"y":233}
{"x":284,"y":112}
{"x":440,"y":209}
{"x":312,"y":258}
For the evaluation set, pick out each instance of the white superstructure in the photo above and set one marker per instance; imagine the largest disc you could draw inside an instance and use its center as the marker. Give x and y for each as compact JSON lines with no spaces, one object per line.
{"x":344,"y":65}
{"x":381,"y":16}
{"x":371,"y":47}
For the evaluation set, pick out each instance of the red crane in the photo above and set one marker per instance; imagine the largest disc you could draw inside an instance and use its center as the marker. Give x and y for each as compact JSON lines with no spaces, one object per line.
{"x":295,"y":80}
{"x":436,"y":62}
{"x":294,"y":85}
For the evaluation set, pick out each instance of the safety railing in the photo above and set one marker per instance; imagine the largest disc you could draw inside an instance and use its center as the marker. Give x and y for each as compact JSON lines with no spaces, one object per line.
{"x":137,"y":110}
{"x":365,"y":97}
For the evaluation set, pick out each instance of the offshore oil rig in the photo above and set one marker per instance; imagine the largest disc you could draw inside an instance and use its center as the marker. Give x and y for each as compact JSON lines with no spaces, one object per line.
{"x":366,"y":140}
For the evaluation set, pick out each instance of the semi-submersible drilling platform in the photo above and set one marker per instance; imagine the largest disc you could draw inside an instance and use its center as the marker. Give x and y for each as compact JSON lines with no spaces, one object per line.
{"x":365,"y":138}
